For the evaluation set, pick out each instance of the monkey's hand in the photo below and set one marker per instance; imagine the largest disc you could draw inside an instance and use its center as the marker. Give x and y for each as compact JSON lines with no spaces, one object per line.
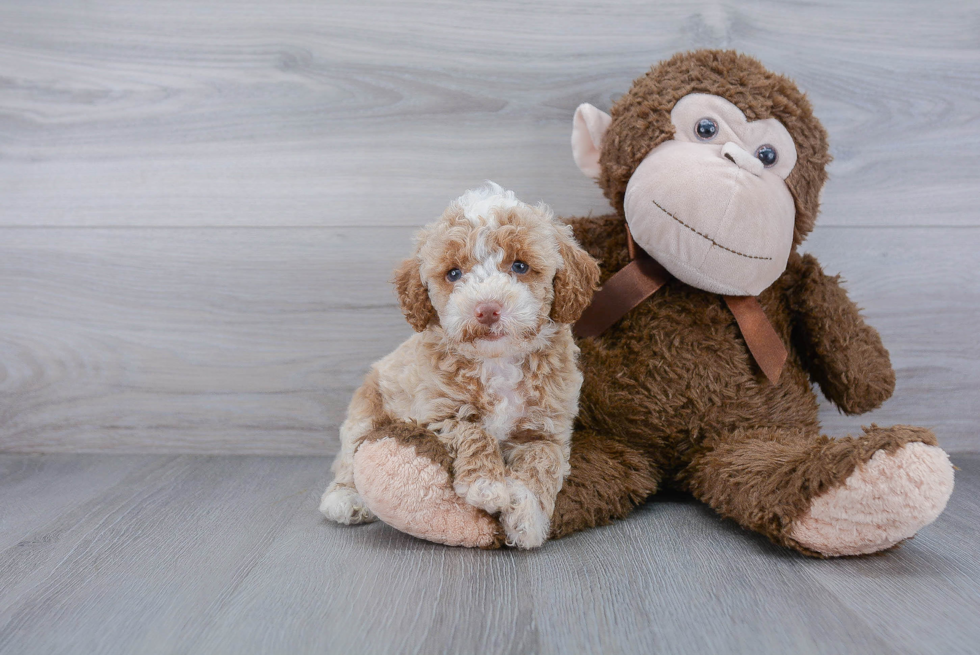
{"x":842,"y":353}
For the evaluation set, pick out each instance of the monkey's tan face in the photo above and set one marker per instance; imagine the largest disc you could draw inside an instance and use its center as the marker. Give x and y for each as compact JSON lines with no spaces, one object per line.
{"x":712,"y":205}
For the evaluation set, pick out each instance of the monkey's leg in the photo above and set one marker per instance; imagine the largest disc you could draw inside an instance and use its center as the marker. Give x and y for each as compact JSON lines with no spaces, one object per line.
{"x":826,"y":497}
{"x":607,"y":480}
{"x":404,"y":474}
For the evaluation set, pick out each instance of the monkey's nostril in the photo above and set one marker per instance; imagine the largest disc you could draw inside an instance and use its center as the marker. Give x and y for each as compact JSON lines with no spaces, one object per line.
{"x":729,"y":157}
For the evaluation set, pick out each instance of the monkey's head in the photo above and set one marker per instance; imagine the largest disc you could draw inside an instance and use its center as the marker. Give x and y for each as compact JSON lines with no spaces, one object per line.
{"x":715,"y":162}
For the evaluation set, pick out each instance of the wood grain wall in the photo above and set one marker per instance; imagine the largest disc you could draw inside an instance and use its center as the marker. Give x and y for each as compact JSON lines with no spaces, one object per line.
{"x":201,"y":201}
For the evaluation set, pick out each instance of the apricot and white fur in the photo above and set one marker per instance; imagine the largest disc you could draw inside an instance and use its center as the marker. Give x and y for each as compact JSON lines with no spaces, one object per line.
{"x":500,"y":393}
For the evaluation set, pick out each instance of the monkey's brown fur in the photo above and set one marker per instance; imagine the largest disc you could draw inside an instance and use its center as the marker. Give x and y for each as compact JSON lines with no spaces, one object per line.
{"x":673,"y":385}
{"x":672,"y":396}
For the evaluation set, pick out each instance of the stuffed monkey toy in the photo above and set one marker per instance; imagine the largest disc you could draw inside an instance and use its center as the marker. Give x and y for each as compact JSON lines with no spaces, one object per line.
{"x":701,"y":349}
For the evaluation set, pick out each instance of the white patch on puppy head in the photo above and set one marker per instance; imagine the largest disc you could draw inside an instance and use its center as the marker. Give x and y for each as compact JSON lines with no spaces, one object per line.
{"x":478,"y":205}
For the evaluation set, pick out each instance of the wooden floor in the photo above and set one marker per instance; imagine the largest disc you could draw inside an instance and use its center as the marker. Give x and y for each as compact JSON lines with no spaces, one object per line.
{"x":196,"y":554}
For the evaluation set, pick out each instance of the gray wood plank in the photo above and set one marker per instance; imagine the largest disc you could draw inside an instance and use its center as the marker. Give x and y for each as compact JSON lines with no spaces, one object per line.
{"x":200,"y":341}
{"x":38,"y":489}
{"x":663,"y":581}
{"x":374,"y":113}
{"x":355,"y":115}
{"x":151,"y":560}
{"x":229,"y":555}
{"x":253,"y":340}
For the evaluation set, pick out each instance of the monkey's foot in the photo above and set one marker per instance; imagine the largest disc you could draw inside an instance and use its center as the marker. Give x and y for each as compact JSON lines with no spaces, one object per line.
{"x":884,"y":501}
{"x":415,"y":494}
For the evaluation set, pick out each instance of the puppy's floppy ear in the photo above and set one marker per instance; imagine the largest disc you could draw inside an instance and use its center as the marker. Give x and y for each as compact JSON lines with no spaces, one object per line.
{"x":413,"y":296}
{"x":575,"y":282}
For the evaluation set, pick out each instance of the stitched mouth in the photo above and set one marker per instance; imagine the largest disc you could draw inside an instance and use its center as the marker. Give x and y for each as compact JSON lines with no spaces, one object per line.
{"x":705,"y":236}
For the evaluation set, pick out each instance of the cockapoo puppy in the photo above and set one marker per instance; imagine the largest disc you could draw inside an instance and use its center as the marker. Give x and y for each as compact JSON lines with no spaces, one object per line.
{"x":491,"y":291}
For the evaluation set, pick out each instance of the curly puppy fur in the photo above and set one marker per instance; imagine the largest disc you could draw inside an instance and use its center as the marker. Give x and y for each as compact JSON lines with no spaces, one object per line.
{"x":493,"y":368}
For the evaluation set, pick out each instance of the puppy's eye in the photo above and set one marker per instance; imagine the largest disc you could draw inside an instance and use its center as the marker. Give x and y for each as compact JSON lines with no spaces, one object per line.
{"x":519,"y":267}
{"x":706,"y":129}
{"x":454,"y":274}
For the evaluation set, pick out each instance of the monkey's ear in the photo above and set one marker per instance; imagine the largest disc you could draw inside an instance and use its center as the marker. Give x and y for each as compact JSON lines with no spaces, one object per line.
{"x":413,"y":296}
{"x":588,"y":128}
{"x":575,"y":282}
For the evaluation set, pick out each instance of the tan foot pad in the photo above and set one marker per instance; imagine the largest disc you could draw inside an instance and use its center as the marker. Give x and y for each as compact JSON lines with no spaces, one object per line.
{"x":415,"y":495}
{"x":886,"y":500}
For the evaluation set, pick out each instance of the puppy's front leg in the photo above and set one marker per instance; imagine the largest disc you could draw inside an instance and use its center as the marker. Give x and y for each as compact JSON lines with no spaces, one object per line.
{"x":538,"y":468}
{"x":478,"y":465}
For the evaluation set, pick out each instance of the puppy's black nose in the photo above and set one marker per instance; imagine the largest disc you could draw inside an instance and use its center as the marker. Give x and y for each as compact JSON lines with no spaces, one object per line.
{"x":487,"y":313}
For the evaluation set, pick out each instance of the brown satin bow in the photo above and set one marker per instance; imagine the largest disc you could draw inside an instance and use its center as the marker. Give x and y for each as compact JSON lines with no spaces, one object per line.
{"x":643,"y":276}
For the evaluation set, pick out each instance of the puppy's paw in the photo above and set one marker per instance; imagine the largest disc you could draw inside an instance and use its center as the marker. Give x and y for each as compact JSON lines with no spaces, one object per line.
{"x":489,"y":495}
{"x":524,"y":520}
{"x":344,"y":505}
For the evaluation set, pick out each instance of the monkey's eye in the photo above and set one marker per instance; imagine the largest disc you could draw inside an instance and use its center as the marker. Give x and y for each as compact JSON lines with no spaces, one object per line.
{"x":767,"y":155}
{"x":519,"y":267}
{"x":454,"y":274}
{"x":706,"y":129}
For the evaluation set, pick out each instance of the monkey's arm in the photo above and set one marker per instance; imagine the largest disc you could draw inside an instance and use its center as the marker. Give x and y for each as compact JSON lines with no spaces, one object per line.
{"x":842,"y":353}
